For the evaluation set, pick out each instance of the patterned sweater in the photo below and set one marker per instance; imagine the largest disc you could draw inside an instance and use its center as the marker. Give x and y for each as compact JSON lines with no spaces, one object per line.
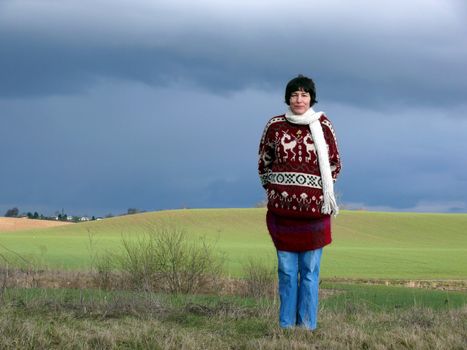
{"x":289,"y":170}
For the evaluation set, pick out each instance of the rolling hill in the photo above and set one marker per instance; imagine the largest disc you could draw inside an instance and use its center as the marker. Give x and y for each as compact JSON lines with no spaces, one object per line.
{"x":366,"y":244}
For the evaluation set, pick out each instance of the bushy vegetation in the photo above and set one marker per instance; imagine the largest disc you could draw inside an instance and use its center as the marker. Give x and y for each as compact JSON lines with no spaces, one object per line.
{"x":162,"y":259}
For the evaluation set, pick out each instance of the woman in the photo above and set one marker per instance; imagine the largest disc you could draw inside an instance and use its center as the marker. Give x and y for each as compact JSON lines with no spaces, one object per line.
{"x":298,"y":164}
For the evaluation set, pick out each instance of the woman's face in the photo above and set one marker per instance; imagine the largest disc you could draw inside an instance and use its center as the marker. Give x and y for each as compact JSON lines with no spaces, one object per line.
{"x":299,"y":102}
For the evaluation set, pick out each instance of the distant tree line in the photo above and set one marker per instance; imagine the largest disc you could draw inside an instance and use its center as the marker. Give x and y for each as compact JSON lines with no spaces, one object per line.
{"x":12,"y":213}
{"x":15,"y":213}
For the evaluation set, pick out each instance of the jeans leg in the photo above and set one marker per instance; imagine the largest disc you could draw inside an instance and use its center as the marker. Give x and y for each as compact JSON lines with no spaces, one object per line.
{"x":288,"y":285}
{"x":309,"y":264}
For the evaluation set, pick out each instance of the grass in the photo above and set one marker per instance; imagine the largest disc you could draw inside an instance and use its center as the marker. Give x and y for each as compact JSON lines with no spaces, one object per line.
{"x":366,"y":244}
{"x":85,"y":319}
{"x":379,"y":297}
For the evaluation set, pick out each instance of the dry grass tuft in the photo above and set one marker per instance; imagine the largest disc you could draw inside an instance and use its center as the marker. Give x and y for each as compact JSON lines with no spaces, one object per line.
{"x":260,"y":279}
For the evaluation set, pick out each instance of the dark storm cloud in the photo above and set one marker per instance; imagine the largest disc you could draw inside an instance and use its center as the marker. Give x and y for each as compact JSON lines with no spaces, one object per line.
{"x":129,"y":145}
{"x":402,"y":157}
{"x":107,"y":105}
{"x":410,"y":53}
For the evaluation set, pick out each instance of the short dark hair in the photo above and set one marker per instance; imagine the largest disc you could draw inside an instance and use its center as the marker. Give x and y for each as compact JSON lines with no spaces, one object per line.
{"x":300,"y":83}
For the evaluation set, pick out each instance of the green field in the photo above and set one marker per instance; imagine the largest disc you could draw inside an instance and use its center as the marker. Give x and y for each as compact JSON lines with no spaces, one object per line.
{"x":366,"y":244}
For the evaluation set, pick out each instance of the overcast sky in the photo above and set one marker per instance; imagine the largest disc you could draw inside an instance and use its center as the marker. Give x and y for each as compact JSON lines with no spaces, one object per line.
{"x":110,"y":105}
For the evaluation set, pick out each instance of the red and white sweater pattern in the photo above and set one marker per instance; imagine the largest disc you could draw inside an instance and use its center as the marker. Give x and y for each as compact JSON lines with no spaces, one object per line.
{"x":289,"y":170}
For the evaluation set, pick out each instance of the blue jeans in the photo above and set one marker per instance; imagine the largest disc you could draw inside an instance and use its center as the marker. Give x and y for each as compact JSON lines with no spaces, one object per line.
{"x":298,"y":287}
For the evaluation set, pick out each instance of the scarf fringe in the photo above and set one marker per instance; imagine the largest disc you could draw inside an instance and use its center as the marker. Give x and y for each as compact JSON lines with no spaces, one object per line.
{"x":329,"y":206}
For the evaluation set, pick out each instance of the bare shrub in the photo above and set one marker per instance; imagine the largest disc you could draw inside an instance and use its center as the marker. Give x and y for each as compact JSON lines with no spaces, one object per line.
{"x":139,"y":261}
{"x":261,"y":281}
{"x":164,"y":259}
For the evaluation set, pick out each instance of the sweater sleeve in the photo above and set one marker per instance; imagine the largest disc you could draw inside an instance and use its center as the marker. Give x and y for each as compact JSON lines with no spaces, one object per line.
{"x":334,"y":157}
{"x":266,"y":156}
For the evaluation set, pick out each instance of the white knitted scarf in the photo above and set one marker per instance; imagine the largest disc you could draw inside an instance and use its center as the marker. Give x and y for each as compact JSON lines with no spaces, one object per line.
{"x":311,"y":118}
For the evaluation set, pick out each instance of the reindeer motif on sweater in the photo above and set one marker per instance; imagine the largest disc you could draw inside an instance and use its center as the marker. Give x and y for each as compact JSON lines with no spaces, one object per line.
{"x":288,"y":166}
